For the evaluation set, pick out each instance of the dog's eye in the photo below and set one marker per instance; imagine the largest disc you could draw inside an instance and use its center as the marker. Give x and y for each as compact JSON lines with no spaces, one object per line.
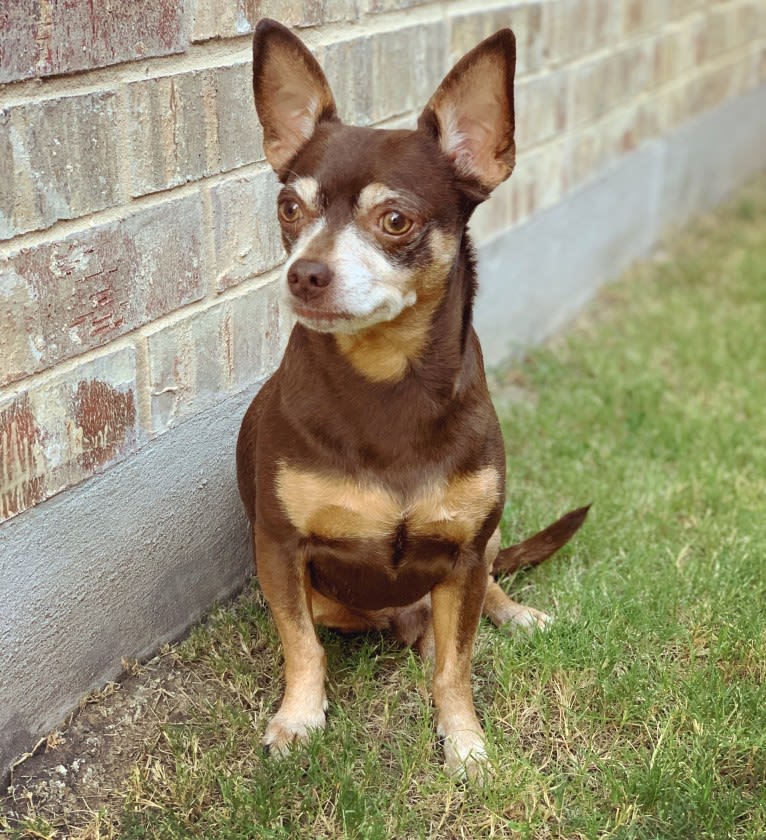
{"x":290,"y":211}
{"x":395,"y":223}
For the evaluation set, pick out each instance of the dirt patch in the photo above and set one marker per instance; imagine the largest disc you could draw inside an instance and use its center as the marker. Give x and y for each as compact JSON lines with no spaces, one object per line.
{"x":83,"y":767}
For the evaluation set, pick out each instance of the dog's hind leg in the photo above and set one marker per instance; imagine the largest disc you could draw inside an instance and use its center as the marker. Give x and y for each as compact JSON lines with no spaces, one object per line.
{"x":500,"y":609}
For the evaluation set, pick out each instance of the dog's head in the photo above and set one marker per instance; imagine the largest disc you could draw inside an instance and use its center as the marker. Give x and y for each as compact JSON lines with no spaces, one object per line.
{"x":372,"y":219}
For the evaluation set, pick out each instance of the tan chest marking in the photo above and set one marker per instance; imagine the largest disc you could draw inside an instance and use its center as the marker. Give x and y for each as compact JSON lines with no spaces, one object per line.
{"x":335,"y":507}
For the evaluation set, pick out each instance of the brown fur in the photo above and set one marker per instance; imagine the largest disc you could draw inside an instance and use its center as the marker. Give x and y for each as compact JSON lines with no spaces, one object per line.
{"x":371,"y":465}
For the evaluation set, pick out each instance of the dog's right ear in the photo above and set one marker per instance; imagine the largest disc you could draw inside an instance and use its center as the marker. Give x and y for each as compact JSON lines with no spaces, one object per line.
{"x":291,"y":92}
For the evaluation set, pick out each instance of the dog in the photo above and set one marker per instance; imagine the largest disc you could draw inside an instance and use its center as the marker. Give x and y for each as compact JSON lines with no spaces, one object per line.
{"x":371,"y":464}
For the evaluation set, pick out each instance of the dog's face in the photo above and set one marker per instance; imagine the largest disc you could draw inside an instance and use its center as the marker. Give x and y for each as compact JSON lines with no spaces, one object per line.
{"x":366,"y":239}
{"x":372,"y":219}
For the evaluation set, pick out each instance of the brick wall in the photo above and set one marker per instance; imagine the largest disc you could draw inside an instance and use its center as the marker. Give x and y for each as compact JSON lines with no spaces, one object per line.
{"x":138,"y":248}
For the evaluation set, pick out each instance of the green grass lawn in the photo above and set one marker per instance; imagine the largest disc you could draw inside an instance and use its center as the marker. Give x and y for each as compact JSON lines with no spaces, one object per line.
{"x":641,"y":713}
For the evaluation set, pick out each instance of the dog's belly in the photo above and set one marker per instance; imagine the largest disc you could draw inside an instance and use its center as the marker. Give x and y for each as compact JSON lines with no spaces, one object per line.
{"x":373,"y":574}
{"x":370,"y":547}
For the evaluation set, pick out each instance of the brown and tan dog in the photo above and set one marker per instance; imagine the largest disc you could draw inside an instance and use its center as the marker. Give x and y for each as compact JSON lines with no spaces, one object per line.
{"x":371,"y":464}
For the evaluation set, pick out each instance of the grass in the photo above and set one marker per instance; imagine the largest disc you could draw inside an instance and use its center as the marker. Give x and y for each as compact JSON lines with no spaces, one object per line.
{"x":641,"y":713}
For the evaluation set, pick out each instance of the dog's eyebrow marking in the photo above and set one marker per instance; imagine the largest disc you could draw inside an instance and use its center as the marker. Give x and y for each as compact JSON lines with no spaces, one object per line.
{"x":334,"y":506}
{"x":307,"y":189}
{"x":376,"y":193}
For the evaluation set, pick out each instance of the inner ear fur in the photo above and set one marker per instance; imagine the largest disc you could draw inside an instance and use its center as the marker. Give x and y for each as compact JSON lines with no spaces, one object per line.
{"x":291,"y":92}
{"x":471,"y":114}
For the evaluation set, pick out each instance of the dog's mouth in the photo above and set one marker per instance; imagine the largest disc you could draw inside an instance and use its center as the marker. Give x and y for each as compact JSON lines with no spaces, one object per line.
{"x":336,"y":321}
{"x":322,"y":320}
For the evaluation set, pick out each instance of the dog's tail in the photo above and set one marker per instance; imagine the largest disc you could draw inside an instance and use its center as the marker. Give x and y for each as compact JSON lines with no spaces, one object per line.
{"x":534,"y":550}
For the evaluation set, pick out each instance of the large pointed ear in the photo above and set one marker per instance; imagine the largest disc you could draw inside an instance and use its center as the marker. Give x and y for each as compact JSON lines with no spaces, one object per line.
{"x":291,"y":92}
{"x":471,"y":113}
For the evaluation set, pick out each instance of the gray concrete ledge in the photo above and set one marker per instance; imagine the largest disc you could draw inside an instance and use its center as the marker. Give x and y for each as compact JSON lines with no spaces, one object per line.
{"x":114,"y":568}
{"x":129,"y":559}
{"x":537,"y":276}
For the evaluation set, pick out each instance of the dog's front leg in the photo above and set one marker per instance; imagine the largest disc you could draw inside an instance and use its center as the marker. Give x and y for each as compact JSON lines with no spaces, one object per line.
{"x":285,"y":584}
{"x":456,"y":607}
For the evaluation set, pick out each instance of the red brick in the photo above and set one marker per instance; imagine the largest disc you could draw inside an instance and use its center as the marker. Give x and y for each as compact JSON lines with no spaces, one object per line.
{"x":59,"y":159}
{"x":65,"y":429}
{"x":86,"y":289}
{"x":50,"y":38}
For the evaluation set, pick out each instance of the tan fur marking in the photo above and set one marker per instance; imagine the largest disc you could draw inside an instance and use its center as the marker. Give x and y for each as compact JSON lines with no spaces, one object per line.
{"x":335,"y":507}
{"x":307,"y":189}
{"x":382,"y":353}
{"x":456,"y":511}
{"x":452,"y":602}
{"x":374,"y":194}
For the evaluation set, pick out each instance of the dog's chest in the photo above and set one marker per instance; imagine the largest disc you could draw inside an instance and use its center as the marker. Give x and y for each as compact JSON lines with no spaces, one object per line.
{"x":332,"y":506}
{"x":396,"y":545}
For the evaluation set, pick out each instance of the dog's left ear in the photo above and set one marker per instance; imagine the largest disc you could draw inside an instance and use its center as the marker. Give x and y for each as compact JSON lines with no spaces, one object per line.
{"x":471,"y":113}
{"x":291,"y":92}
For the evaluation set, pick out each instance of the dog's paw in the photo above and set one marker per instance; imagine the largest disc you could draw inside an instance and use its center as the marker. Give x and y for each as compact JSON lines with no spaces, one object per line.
{"x":466,"y":756}
{"x":285,"y":729}
{"x":529,"y":619}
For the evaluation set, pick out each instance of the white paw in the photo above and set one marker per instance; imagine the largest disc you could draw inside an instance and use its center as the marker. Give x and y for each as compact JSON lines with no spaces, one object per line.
{"x":530,"y":619}
{"x":466,"y":755}
{"x":284,"y":729}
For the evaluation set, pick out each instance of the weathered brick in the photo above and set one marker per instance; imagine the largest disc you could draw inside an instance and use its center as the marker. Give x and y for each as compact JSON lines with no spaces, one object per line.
{"x":674,"y":54}
{"x":541,"y":108}
{"x":82,"y":291}
{"x":642,"y":16}
{"x":44,"y":38}
{"x":59,"y":159}
{"x":348,"y":67}
{"x":198,"y":360}
{"x":260,"y":327}
{"x":585,"y":153}
{"x":190,"y":125}
{"x":601,"y":84}
{"x":682,"y":8}
{"x":494,"y":216}
{"x":526,"y":20}
{"x":63,"y":430}
{"x":246,"y":234}
{"x":376,"y":6}
{"x":187,"y":371}
{"x":227,"y":18}
{"x":564,"y":31}
{"x":398,"y":83}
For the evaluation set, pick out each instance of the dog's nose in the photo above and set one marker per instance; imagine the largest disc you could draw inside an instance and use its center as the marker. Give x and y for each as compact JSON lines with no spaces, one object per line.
{"x":307,"y":279}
